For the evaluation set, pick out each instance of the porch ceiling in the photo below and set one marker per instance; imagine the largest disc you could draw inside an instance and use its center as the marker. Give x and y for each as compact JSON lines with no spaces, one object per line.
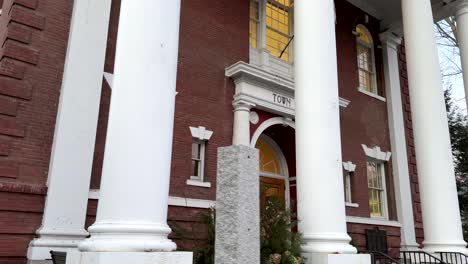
{"x":389,"y":11}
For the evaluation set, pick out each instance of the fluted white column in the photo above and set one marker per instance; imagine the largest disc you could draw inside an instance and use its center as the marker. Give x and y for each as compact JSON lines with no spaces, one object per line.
{"x":241,"y":131}
{"x":320,"y":190}
{"x":396,"y":123}
{"x":63,"y":222}
{"x":461,"y":14}
{"x":132,"y":212}
{"x":441,"y":216}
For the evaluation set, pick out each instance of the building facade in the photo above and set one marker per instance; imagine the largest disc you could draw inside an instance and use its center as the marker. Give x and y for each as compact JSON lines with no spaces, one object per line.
{"x":349,"y":120}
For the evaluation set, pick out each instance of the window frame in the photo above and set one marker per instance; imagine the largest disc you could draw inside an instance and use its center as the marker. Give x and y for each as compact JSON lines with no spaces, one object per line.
{"x":381,"y":158}
{"x":200,"y":137}
{"x":349,"y":169}
{"x":262,"y":28}
{"x":201,"y":160}
{"x":380,"y":167}
{"x":374,"y":90}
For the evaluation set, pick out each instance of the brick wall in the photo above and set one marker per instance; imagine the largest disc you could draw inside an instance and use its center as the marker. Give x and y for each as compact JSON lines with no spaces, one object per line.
{"x":410,"y":146}
{"x":33,"y":37}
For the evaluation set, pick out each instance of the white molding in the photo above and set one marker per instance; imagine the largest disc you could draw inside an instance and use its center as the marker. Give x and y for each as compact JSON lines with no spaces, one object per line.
{"x":355,"y":205}
{"x":268,"y":123}
{"x":109,"y":77}
{"x":376,"y":96}
{"x":173,"y":200}
{"x":372,"y":221}
{"x":267,"y":91}
{"x":349,"y":166}
{"x":190,"y":202}
{"x":93,"y":194}
{"x":201,"y":133}
{"x":376,"y":153}
{"x":198,"y":183}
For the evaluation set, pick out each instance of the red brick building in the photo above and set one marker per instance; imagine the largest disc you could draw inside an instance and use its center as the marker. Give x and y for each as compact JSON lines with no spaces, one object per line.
{"x":237,"y":62}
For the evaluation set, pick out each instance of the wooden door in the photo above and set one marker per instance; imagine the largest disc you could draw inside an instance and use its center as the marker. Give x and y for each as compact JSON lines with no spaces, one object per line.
{"x":270,"y":187}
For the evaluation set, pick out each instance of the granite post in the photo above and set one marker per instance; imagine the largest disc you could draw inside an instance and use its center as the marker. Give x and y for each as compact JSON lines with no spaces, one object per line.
{"x":237,"y":206}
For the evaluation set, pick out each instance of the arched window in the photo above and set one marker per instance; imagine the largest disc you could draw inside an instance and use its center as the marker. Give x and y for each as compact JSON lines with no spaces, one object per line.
{"x":366,"y":60}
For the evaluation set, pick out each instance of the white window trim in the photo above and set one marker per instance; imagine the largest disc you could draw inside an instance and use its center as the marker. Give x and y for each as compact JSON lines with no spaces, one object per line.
{"x":201,"y":135}
{"x":377,"y":155}
{"x":374,"y":69}
{"x":349,"y":168}
{"x":376,"y":96}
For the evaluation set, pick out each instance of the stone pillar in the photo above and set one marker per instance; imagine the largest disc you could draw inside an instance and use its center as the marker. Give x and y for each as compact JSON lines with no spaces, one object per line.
{"x":404,"y":201}
{"x":441,"y":216}
{"x":75,"y":132}
{"x":237,"y":206}
{"x":241,"y":131}
{"x":461,"y":14}
{"x":320,"y":190}
{"x":133,"y":204}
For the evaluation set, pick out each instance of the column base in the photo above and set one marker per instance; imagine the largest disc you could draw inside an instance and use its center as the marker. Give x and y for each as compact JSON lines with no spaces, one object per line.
{"x":323,"y":258}
{"x":433,"y":247}
{"x":128,"y":237}
{"x":410,"y":246}
{"x":328,"y":243}
{"x":130,"y":257}
{"x":58,"y":240}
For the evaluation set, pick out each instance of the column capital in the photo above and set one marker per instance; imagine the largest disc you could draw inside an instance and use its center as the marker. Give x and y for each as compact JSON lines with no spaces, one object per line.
{"x":390,"y":39}
{"x":461,"y":8}
{"x":242,"y":105}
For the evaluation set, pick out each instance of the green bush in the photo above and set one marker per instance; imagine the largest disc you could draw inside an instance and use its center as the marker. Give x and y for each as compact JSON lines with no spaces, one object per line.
{"x":279,"y":243}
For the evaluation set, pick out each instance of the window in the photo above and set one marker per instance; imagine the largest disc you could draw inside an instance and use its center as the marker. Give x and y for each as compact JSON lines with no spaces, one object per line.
{"x":376,"y":181}
{"x":376,"y":187}
{"x":198,"y":153}
{"x":366,"y":60}
{"x":349,"y":169}
{"x":271,"y":26}
{"x":197,"y":166}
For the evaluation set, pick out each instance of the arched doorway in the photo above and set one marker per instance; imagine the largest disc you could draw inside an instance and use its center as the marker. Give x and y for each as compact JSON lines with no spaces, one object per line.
{"x":274,"y":176}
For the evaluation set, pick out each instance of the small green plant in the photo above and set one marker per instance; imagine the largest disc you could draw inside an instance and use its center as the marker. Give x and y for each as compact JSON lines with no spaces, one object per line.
{"x":279,"y":243}
{"x":203,"y":242}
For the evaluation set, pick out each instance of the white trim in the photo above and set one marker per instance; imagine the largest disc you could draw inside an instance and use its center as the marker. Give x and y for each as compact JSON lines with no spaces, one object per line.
{"x":355,"y":205}
{"x":268,"y":123}
{"x":376,"y":153}
{"x":201,"y":133}
{"x":93,"y":194}
{"x":198,"y":183}
{"x":109,"y":77}
{"x":173,"y":200}
{"x":372,"y":221}
{"x":262,"y":89}
{"x":376,"y":96}
{"x":192,"y":203}
{"x":349,"y":166}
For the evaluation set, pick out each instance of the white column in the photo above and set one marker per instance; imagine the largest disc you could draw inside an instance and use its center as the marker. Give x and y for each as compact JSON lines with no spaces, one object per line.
{"x":133,"y":204}
{"x":441,"y":216}
{"x":241,"y":131}
{"x":396,"y":123}
{"x":461,"y":14}
{"x":75,"y":131}
{"x":320,"y":190}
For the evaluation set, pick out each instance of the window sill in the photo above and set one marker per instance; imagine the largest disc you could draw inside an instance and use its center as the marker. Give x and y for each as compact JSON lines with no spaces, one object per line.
{"x":372,"y":221}
{"x":199,"y":183}
{"x":376,"y":96}
{"x":355,"y":205}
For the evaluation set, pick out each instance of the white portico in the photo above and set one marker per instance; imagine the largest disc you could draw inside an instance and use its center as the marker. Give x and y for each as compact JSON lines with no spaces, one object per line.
{"x":149,"y":61}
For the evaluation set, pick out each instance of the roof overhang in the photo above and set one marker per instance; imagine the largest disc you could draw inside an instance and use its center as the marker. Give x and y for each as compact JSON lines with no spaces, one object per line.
{"x":390,"y":14}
